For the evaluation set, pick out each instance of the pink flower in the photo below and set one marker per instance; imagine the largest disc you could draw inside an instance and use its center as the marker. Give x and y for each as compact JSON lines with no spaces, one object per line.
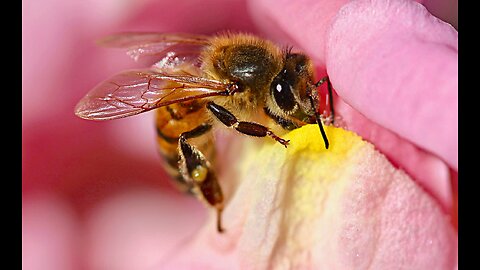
{"x":96,"y":197}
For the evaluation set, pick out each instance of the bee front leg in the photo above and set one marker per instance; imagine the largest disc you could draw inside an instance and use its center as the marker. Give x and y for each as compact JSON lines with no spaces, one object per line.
{"x":330,"y":95}
{"x":247,"y":128}
{"x":196,"y":169}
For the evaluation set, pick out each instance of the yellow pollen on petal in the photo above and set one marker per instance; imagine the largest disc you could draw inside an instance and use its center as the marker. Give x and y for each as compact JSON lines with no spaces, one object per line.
{"x":314,"y":167}
{"x":305,"y":171}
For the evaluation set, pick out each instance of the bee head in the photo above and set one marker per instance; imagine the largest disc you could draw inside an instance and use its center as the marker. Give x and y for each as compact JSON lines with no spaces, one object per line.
{"x":294,"y":93}
{"x":290,"y":89}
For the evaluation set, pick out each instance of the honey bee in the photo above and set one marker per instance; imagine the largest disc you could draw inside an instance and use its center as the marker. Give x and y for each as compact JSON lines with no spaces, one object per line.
{"x":205,"y":81}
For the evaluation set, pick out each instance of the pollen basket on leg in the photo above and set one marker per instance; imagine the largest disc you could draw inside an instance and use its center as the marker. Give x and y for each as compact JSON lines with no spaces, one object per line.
{"x":199,"y":174}
{"x":193,"y":164}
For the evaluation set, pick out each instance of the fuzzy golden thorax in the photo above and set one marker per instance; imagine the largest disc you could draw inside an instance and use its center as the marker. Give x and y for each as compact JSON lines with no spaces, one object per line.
{"x":250,"y":62}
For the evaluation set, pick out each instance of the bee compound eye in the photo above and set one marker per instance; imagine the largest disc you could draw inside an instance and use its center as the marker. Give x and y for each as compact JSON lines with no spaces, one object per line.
{"x":282,"y":93}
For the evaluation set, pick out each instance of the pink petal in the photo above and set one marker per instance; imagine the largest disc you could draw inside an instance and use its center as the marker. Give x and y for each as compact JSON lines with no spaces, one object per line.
{"x":430,"y":172}
{"x":358,"y":213}
{"x":304,"y":23}
{"x":396,"y":64}
{"x":300,"y":23}
{"x":307,"y":25}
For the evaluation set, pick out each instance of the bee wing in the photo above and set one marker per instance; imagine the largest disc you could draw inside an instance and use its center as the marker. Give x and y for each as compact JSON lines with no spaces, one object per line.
{"x":133,"y":92}
{"x":147,"y":44}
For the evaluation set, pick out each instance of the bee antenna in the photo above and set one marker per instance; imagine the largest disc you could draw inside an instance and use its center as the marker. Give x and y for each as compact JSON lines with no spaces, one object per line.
{"x":288,"y":51}
{"x":313,"y":97}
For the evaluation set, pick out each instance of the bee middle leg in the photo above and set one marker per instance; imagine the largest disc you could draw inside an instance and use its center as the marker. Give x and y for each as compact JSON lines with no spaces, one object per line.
{"x":197,"y":170}
{"x":247,"y":128}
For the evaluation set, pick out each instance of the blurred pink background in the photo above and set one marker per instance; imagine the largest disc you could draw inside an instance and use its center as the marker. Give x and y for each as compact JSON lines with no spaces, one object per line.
{"x":94,"y":194}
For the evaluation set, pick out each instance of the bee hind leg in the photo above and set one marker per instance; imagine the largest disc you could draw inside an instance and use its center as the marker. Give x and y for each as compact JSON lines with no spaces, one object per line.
{"x":196,"y":169}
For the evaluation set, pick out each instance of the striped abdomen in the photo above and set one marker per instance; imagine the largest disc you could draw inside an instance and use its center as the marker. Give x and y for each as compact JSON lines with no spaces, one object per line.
{"x":171,"y":122}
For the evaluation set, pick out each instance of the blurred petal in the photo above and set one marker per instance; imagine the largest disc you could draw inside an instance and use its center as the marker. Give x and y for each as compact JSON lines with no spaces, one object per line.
{"x":49,"y":234}
{"x":85,"y":163}
{"x":303,"y":24}
{"x":310,"y":208}
{"x":136,"y":229}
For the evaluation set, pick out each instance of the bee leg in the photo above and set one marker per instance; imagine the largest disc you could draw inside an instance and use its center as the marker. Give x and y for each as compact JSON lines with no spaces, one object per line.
{"x":247,"y":128}
{"x":196,"y":169}
{"x":330,"y":95}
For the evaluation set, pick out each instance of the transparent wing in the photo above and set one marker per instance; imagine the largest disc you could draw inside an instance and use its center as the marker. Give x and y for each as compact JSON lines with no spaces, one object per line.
{"x":148,"y":44}
{"x":179,"y":62}
{"x":134,"y":92}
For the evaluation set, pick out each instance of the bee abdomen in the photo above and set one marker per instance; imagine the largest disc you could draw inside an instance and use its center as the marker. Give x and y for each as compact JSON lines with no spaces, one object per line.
{"x":171,"y":122}
{"x":166,"y":138}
